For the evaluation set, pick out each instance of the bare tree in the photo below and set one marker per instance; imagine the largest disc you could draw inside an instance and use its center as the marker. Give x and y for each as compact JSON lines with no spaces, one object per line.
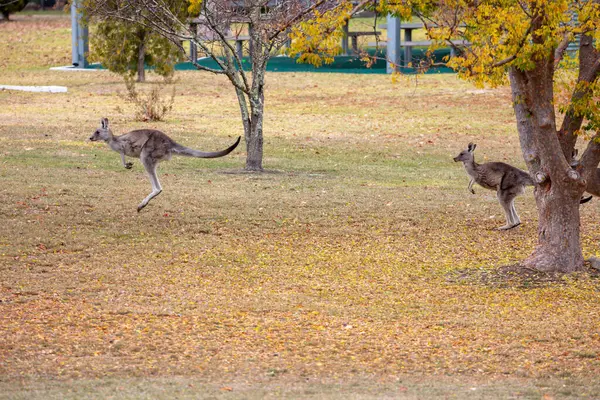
{"x":217,"y":25}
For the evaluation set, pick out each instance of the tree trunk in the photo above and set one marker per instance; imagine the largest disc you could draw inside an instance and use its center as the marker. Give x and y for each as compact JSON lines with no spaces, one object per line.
{"x":558,"y":188}
{"x":559,"y":247}
{"x":253,"y":126}
{"x":141,"y":71}
{"x":254,"y":136}
{"x":259,"y":54}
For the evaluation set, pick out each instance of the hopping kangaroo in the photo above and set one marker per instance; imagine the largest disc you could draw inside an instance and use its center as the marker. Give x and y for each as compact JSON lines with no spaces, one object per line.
{"x":506,"y":180}
{"x":152,"y":147}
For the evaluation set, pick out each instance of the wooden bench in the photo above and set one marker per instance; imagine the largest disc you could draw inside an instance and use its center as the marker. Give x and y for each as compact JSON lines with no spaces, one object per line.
{"x":408,"y":45}
{"x":354,"y":38}
{"x":239,"y":46}
{"x":239,"y":43}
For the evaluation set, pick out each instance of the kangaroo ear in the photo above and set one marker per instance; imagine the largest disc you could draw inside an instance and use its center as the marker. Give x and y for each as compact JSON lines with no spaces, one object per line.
{"x":471,"y":147}
{"x":104,"y":123}
{"x":574,"y":153}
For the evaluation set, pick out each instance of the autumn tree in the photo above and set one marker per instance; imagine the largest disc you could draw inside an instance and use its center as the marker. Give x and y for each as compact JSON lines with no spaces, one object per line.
{"x":554,"y":95}
{"x":216,"y":24}
{"x":524,"y":43}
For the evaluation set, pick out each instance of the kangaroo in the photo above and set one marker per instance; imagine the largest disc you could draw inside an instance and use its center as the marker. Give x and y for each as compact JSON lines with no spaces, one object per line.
{"x":151,"y":146}
{"x":506,"y":180}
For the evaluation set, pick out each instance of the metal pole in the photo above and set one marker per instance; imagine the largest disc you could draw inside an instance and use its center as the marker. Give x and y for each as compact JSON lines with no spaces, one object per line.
{"x":74,"y":34}
{"x":79,"y":37}
{"x":82,"y":44}
{"x":393,"y":43}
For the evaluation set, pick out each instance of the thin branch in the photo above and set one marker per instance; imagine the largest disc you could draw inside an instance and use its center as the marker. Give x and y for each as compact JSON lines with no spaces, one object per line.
{"x":504,"y":62}
{"x":560,"y":50}
{"x":231,"y":51}
{"x":296,"y":18}
{"x":519,"y":46}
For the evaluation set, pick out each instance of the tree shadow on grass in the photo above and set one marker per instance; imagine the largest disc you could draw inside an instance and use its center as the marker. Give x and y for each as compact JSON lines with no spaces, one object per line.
{"x":246,"y":172}
{"x":277,"y":172}
{"x":520,"y":277}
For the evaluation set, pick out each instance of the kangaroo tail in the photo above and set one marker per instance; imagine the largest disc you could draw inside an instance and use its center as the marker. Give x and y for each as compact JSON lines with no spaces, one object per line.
{"x":186,"y":151}
{"x":585,"y":199}
{"x":524,"y":178}
{"x":528,"y":180}
{"x":515,"y":177}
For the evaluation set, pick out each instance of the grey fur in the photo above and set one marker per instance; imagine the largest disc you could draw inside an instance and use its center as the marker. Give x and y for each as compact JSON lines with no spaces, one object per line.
{"x":151,"y":146}
{"x":506,"y":180}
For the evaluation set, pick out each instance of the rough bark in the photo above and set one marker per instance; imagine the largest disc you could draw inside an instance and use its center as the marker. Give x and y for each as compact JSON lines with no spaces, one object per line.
{"x":252,"y":120}
{"x":254,"y":138}
{"x":259,"y":54}
{"x":558,"y":187}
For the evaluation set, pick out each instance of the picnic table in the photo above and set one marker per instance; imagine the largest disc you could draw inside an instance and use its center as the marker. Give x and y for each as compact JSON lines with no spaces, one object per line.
{"x":408,"y":43}
{"x":354,"y":39}
{"x":238,"y":39}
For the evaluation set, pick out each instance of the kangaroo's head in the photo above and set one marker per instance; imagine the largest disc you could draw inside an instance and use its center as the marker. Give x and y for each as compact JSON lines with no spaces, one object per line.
{"x":103,"y":133}
{"x":466,"y":155}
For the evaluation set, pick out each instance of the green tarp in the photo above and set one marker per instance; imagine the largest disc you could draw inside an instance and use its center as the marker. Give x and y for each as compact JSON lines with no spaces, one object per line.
{"x":341,"y":64}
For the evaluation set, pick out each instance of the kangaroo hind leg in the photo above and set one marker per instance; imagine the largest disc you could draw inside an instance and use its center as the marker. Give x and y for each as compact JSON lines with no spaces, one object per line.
{"x":150,"y":165}
{"x":507,"y":201}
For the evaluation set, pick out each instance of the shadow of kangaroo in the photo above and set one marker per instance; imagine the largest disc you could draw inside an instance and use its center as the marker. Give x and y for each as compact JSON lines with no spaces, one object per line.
{"x":151,"y":146}
{"x":506,"y":180}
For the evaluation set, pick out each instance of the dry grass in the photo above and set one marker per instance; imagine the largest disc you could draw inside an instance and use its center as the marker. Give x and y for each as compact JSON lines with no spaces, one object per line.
{"x":333,"y":274}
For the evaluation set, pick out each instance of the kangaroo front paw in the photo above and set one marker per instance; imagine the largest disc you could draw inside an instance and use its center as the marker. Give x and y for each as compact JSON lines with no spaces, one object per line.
{"x":141,"y":206}
{"x":472,"y":191}
{"x":128,"y":165}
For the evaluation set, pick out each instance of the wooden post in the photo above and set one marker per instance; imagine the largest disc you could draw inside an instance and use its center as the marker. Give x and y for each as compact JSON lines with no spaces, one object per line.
{"x":239,"y":48}
{"x":345,"y":40}
{"x":193,"y":47}
{"x":407,"y":49}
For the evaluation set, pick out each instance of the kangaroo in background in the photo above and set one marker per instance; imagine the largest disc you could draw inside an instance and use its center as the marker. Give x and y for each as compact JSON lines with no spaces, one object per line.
{"x":506,"y":180}
{"x":151,"y":146}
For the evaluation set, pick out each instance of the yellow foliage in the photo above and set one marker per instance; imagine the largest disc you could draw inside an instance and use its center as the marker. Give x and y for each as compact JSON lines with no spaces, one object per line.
{"x":317,"y":40}
{"x":194,"y":7}
{"x":505,"y":33}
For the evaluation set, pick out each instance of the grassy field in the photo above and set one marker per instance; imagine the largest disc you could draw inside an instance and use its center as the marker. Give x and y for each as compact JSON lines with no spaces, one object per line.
{"x":358,"y":267}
